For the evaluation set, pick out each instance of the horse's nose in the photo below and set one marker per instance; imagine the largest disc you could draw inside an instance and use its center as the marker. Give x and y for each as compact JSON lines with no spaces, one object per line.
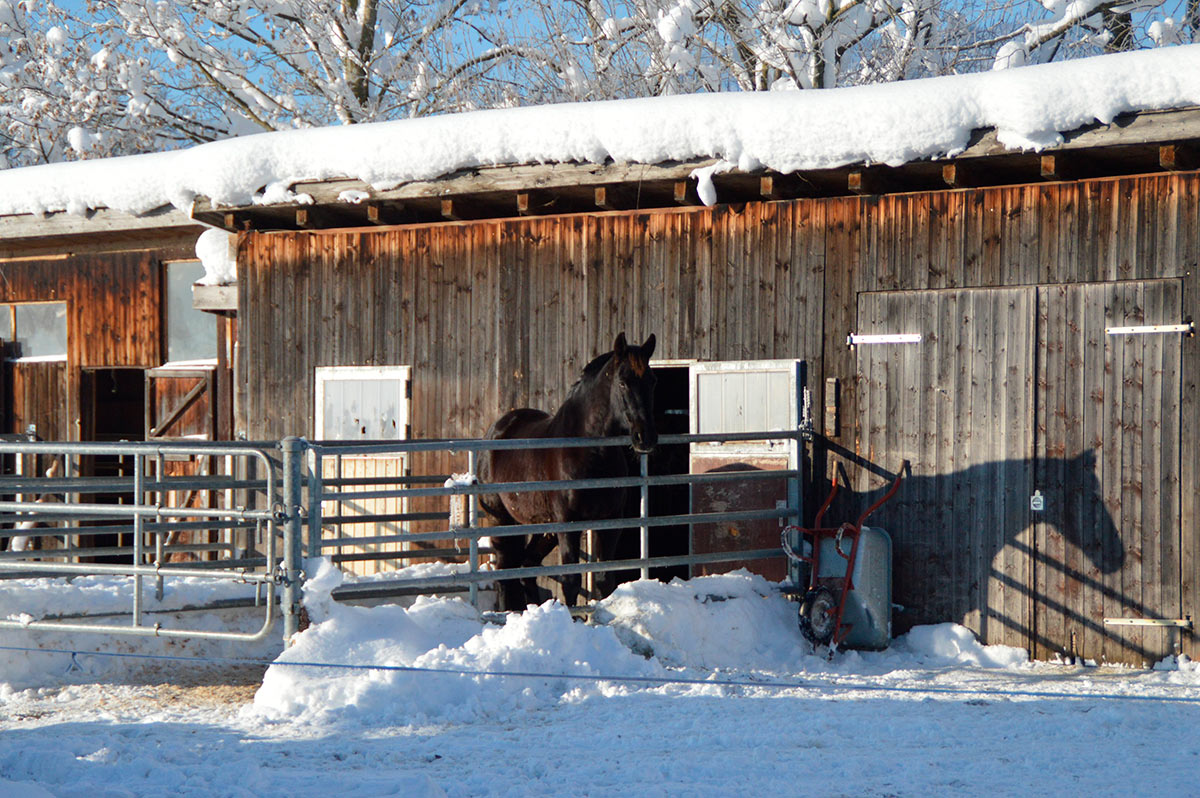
{"x":644,"y":441}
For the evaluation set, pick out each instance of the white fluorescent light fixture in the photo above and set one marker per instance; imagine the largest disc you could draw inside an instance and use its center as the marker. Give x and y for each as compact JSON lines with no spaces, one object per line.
{"x":858,"y":339}
{"x":1151,"y":329}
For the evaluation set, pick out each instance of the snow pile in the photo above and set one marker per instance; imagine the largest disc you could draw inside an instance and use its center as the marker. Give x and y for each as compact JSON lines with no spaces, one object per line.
{"x":217,"y":251}
{"x":691,"y":628}
{"x":439,"y":635}
{"x":885,"y":123}
{"x":729,"y":621}
{"x":950,"y":643}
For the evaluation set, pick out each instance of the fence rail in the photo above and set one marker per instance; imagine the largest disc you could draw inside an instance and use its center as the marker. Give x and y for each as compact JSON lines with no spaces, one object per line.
{"x":269,"y":504}
{"x":324,"y":536}
{"x":138,"y":517}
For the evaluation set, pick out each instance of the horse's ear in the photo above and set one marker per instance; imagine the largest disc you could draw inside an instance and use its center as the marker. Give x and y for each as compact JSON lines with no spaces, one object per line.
{"x":648,"y":347}
{"x":619,"y":346}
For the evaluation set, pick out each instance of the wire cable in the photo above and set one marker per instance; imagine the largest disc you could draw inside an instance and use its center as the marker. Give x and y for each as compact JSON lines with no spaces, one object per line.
{"x":658,"y":681}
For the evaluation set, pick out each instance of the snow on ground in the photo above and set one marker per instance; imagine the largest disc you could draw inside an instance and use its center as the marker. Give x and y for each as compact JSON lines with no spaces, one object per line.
{"x":885,"y":123}
{"x":692,"y":688}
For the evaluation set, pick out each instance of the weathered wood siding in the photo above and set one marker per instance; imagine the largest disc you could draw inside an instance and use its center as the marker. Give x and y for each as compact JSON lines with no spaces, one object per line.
{"x":113,"y":320}
{"x":493,"y":315}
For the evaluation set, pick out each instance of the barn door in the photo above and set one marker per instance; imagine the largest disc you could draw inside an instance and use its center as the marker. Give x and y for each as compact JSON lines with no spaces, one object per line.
{"x":1108,"y":539}
{"x":180,"y":403}
{"x":945,"y":380}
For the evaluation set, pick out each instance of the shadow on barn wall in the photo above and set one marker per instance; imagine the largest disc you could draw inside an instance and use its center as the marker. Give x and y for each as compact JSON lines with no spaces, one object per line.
{"x":968,"y":548}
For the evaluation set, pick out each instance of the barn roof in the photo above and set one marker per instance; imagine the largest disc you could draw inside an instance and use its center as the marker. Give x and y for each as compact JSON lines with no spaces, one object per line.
{"x":1118,"y":114}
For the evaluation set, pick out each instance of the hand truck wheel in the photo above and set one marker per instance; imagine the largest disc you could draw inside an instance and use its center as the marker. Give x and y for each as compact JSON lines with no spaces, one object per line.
{"x":818,"y":616}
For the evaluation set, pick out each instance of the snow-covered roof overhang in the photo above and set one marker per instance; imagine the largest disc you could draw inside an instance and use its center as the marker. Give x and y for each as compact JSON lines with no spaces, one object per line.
{"x":1134,"y":143}
{"x":1116,"y":114}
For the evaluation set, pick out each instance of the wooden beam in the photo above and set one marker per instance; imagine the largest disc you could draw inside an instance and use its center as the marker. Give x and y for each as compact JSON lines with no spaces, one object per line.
{"x":1178,"y":157}
{"x":768,"y":189}
{"x":384,"y":213}
{"x":616,"y":198}
{"x":448,"y":211}
{"x":685,"y":193}
{"x":535,"y":202}
{"x":957,"y":175}
{"x":304,"y":218}
{"x":215,"y":297}
{"x":1057,"y":167}
{"x":871,"y":180}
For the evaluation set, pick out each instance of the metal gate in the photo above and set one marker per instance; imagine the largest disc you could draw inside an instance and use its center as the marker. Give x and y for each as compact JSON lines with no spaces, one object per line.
{"x":244,"y":518}
{"x":75,"y":509}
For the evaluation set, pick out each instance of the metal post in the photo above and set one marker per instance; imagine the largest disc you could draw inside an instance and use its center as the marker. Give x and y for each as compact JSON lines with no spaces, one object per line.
{"x":315,"y":532}
{"x":644,"y":532}
{"x":293,"y":463}
{"x":139,"y":496}
{"x":160,"y":474}
{"x":795,"y":520}
{"x":71,"y":471}
{"x":472,"y":522}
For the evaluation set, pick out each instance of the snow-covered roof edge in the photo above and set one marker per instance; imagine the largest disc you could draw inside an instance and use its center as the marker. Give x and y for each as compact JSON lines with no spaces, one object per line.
{"x":896,"y":123}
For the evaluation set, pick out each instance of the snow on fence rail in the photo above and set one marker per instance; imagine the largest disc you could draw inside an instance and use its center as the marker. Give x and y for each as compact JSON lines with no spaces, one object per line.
{"x":130,"y":509}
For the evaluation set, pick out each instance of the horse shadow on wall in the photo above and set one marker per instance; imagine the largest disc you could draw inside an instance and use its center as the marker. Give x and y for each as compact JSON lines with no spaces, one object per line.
{"x":961,"y":538}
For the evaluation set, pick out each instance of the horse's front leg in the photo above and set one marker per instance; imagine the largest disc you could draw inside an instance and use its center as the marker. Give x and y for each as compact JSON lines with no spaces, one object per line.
{"x":568,"y":547}
{"x":608,"y":544}
{"x":510,"y":553}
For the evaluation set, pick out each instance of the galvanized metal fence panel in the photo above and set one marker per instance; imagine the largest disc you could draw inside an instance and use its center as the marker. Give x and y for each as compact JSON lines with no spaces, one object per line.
{"x":279,"y":499}
{"x":323,"y":530}
{"x":141,"y":501}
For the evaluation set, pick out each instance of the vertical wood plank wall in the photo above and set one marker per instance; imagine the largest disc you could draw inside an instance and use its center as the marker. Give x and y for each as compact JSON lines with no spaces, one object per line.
{"x":113,"y":318}
{"x":498,"y":314}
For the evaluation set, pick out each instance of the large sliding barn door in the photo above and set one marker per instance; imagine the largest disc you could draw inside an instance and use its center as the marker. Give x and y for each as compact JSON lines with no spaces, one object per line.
{"x":1043,"y":510}
{"x":1108,"y":541}
{"x":958,"y":404}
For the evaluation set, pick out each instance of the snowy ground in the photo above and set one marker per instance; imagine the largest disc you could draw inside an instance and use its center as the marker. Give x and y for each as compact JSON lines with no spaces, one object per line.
{"x":754,"y":711}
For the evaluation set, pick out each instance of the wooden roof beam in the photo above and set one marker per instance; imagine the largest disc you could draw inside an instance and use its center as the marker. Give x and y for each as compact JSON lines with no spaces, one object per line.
{"x":685,"y":193}
{"x":1057,"y":166}
{"x":236,"y":222}
{"x":385,"y":213}
{"x":785,"y":187}
{"x":958,"y":175}
{"x":1178,"y":157}
{"x":872,"y":180}
{"x":533,"y":203}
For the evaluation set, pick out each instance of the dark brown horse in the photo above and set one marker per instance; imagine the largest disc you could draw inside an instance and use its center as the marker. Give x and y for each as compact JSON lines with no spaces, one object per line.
{"x":615,"y":396}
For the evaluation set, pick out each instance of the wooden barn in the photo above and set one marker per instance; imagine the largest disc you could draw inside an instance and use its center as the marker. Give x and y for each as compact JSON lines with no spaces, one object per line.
{"x":1017,"y":325}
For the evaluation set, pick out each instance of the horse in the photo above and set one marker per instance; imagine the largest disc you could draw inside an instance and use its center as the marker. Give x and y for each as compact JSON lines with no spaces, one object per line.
{"x":613,"y":397}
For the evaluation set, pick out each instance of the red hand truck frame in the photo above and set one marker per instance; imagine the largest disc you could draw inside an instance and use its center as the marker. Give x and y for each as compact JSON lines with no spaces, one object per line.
{"x":824,"y":602}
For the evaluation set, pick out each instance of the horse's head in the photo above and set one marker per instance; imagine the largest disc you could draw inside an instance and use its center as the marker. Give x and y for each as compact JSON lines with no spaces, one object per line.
{"x":633,"y":391}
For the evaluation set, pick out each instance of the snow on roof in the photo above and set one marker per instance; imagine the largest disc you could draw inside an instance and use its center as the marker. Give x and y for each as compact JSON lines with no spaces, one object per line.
{"x":889,"y":123}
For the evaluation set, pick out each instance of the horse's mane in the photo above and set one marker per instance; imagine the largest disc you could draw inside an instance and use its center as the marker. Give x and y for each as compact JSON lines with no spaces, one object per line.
{"x":590,"y":372}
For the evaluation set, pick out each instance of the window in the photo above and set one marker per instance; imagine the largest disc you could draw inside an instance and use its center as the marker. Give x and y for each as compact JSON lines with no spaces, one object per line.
{"x":356,"y":403}
{"x":37,"y":329}
{"x":191,"y":333}
{"x":747,"y":396}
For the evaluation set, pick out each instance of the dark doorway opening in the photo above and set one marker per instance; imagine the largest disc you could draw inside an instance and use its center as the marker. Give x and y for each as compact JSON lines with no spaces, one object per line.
{"x":112,"y":409}
{"x":671,"y":417}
